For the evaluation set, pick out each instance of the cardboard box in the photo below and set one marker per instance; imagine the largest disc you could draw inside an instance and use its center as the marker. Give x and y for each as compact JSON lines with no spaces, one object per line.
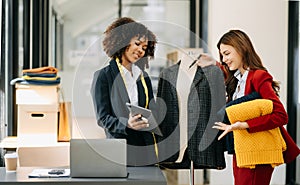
{"x":37,"y":94}
{"x":37,"y":124}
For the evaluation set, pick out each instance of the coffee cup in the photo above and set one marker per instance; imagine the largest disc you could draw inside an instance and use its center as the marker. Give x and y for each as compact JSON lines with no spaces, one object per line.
{"x":11,"y":161}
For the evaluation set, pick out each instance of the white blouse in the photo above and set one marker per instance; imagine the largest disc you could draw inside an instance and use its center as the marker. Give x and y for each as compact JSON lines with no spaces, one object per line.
{"x":240,"y":88}
{"x":130,"y":83}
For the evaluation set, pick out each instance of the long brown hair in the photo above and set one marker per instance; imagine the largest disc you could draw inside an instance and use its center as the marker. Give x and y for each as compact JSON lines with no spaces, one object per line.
{"x":243,"y":45}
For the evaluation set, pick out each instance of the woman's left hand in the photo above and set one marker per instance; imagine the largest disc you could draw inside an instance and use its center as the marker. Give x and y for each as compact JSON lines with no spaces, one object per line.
{"x":137,"y":122}
{"x":228,"y":128}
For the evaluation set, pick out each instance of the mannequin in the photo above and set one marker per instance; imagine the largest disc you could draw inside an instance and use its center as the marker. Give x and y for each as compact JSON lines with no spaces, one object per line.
{"x":185,"y":78}
{"x":190,"y":95}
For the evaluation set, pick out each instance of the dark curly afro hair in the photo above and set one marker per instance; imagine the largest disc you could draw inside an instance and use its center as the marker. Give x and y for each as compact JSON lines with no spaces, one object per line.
{"x":119,"y":34}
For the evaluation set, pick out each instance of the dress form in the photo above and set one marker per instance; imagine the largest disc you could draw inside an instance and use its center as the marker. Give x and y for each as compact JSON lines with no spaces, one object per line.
{"x":185,"y":78}
{"x":193,"y":89}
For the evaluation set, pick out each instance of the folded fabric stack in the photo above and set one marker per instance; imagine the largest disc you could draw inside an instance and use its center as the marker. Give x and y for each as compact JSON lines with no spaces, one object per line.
{"x":38,"y":76}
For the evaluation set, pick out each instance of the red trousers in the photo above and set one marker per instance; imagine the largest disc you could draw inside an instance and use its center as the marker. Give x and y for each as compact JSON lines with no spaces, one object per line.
{"x":260,"y":175}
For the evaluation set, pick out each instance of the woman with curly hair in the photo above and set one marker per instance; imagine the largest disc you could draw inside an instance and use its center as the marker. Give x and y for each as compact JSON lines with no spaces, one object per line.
{"x":129,"y":45}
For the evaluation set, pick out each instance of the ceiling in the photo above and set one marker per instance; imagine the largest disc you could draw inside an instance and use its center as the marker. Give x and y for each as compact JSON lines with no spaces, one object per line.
{"x":81,"y":15}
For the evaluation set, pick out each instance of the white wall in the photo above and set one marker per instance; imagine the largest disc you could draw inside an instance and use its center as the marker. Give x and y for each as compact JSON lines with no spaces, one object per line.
{"x":265,"y":21}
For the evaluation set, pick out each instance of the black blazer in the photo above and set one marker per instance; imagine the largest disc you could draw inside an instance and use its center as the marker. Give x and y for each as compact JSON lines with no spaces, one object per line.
{"x":109,"y":96}
{"x":206,"y":97}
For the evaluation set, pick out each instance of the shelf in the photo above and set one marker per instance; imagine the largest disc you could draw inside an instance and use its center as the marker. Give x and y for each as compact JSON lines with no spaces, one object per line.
{"x":12,"y":142}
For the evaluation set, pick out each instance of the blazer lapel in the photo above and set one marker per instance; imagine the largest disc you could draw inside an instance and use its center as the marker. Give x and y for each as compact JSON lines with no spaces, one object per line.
{"x":248,"y":87}
{"x":198,"y":77}
{"x":172,"y":74}
{"x":118,"y":87}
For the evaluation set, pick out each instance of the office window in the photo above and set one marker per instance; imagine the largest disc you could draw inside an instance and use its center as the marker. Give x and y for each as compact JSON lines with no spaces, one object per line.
{"x":298,"y":122}
{"x":2,"y":98}
{"x":57,"y":41}
{"x":2,"y":75}
{"x":20,"y":39}
{"x":0,"y":35}
{"x":298,"y":55}
{"x":53,"y":39}
{"x":293,"y":96}
{"x":160,"y":18}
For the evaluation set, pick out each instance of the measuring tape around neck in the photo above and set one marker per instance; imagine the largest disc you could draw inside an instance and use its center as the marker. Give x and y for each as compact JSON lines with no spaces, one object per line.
{"x":142,"y":79}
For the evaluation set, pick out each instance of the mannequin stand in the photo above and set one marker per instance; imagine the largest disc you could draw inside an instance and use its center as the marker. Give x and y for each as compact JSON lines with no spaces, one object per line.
{"x":192,"y":182}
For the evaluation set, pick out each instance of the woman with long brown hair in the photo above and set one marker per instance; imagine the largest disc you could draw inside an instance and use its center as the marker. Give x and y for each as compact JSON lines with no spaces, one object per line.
{"x":245,"y":74}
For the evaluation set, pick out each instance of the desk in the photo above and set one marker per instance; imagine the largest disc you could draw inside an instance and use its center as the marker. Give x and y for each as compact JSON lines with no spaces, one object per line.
{"x":51,"y":155}
{"x":137,"y":176}
{"x":12,"y":142}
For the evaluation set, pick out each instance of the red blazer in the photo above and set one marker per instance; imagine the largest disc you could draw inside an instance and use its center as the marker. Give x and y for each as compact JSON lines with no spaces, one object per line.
{"x":261,"y":82}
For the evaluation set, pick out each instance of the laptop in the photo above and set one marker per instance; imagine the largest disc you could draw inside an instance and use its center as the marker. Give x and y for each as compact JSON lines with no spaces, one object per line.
{"x":98,"y":158}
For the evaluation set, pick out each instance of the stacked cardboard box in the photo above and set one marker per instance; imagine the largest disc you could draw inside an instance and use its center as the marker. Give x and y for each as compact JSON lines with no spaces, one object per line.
{"x":37,"y":113}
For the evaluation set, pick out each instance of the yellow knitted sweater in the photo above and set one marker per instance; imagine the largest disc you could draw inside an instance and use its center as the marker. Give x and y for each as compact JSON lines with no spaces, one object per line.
{"x":263,"y":147}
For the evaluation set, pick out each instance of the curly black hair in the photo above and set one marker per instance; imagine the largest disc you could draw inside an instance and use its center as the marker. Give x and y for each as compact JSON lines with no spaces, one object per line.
{"x":119,"y":34}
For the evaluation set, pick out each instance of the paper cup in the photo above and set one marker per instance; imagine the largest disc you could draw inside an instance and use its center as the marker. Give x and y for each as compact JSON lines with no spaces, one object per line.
{"x":11,"y":161}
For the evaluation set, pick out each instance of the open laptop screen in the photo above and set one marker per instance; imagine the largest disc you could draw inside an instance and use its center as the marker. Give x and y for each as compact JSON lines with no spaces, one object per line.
{"x":98,"y":158}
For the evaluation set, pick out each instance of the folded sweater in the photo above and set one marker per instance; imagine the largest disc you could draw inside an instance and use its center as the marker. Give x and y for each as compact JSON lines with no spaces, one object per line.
{"x":229,"y":137}
{"x":263,"y":147}
{"x":48,"y":69}
{"x":41,"y":78}
{"x":254,"y":95}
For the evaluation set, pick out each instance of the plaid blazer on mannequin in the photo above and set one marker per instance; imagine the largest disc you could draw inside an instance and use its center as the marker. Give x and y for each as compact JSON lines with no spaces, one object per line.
{"x":206,"y":97}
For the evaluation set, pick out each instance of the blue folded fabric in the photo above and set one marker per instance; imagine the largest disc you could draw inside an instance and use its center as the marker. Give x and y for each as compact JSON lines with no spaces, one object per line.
{"x":51,"y":75}
{"x":248,"y":97}
{"x":43,"y":82}
{"x":35,"y":82}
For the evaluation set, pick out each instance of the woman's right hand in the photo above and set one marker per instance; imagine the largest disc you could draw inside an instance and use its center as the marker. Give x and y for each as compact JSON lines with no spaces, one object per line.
{"x":239,"y":125}
{"x":137,"y":122}
{"x":206,"y":60}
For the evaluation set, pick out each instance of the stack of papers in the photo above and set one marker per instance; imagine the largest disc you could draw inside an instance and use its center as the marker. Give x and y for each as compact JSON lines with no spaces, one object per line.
{"x":46,"y":173}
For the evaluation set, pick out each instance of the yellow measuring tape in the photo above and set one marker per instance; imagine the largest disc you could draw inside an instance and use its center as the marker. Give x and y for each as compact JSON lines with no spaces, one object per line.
{"x":147,"y":97}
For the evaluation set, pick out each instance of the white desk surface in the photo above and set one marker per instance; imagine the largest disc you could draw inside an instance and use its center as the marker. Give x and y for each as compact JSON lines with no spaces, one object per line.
{"x":12,"y":142}
{"x":137,"y":176}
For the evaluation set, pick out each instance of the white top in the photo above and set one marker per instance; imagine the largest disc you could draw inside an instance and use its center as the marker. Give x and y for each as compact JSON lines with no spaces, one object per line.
{"x":240,"y":88}
{"x":130,"y":83}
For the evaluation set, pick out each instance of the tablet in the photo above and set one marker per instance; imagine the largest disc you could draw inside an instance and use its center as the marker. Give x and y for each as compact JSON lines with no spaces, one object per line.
{"x":135,"y":109}
{"x":146,"y":113}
